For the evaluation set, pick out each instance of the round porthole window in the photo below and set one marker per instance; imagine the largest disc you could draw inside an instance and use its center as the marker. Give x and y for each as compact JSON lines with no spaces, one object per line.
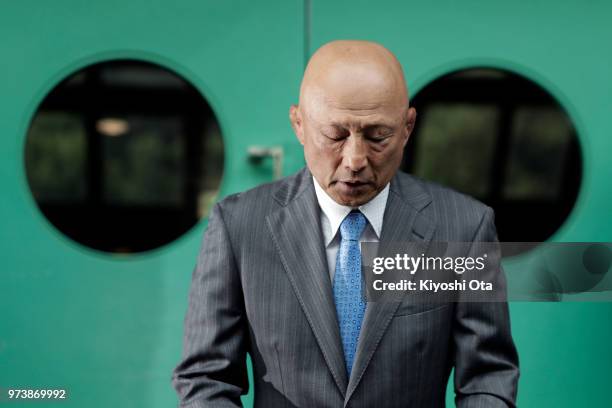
{"x":124,"y":156}
{"x":504,"y":140}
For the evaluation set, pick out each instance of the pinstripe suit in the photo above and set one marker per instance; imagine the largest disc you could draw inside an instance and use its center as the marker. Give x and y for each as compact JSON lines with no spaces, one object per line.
{"x":261,"y":286}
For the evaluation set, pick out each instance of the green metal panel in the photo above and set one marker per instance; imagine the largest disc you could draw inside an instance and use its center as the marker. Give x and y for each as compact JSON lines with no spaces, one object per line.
{"x":565,"y":348}
{"x":108,"y":328}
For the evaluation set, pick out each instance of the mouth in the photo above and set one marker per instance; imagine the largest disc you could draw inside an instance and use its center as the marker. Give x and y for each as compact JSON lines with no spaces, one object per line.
{"x":354,"y":183}
{"x":352,"y":186}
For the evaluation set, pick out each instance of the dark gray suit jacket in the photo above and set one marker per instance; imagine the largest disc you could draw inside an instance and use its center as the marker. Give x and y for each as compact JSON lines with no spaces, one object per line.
{"x":261,"y":286}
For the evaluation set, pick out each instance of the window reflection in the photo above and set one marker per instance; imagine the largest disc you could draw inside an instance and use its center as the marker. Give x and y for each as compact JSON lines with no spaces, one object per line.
{"x":124,"y":156}
{"x":503,"y":139}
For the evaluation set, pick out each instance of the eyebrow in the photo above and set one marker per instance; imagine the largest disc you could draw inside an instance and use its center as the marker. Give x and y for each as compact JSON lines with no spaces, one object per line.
{"x":378,"y":125}
{"x":365,"y":128}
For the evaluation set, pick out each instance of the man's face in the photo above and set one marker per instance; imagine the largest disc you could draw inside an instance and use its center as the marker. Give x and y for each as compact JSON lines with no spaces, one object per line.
{"x":353,"y":140}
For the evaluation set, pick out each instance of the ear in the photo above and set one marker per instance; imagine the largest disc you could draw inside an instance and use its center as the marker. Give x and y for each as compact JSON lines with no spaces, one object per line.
{"x":410,"y":121}
{"x":295,"y":117}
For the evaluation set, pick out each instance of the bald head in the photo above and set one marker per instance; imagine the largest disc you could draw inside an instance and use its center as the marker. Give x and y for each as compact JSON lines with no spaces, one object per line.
{"x":350,"y":71}
{"x":353,"y":119}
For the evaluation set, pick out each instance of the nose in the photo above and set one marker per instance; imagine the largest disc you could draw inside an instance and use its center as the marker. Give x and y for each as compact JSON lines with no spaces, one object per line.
{"x":355,"y":154}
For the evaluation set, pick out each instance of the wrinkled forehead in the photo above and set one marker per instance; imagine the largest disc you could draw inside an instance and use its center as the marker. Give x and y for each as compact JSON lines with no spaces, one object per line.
{"x":330,"y":113}
{"x":354,"y":92}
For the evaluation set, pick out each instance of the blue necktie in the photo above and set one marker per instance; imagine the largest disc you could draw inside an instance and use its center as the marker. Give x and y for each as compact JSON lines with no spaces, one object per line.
{"x":350,"y":306}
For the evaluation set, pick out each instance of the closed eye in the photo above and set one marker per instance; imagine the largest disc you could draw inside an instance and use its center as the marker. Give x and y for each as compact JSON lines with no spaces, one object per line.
{"x":378,"y":133}
{"x":378,"y":138}
{"x":335,"y":133}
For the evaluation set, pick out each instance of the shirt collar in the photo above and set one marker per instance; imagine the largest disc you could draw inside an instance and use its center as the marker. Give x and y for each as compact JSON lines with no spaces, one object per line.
{"x":373,"y":210}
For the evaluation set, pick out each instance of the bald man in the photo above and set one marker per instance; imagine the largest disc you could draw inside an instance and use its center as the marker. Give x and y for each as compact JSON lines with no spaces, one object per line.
{"x":279,"y":272}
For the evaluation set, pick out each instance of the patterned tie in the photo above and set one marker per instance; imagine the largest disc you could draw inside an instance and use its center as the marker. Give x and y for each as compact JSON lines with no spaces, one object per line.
{"x":350,"y":305}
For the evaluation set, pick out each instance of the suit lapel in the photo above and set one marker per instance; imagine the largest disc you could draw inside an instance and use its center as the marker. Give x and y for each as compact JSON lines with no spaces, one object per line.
{"x":402,"y":222}
{"x":296,"y":232}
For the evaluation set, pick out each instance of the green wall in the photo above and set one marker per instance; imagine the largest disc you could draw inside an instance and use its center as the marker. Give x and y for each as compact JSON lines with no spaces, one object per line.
{"x":108,"y":328}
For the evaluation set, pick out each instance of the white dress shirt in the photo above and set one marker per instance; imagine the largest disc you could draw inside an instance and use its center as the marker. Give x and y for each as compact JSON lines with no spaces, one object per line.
{"x":332,"y":215}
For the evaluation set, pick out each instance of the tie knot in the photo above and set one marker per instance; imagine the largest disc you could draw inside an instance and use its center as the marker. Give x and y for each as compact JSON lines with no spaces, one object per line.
{"x":352,"y":226}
